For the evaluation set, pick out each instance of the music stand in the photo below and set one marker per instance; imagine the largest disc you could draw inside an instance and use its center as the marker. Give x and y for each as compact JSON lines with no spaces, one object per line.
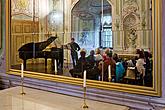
{"x":67,"y":46}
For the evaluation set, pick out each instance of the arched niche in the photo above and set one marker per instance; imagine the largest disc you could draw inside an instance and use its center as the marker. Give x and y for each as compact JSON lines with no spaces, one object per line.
{"x":130,"y":22}
{"x":92,"y":19}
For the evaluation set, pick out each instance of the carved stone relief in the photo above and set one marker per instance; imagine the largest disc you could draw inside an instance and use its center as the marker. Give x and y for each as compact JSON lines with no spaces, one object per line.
{"x":130,"y":35}
{"x":130,"y":8}
{"x":131,"y":21}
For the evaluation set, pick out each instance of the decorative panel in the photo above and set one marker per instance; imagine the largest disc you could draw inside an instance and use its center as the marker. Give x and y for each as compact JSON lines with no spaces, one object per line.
{"x":21,"y":34}
{"x":18,"y":40}
{"x":18,"y":29}
{"x":27,"y":28}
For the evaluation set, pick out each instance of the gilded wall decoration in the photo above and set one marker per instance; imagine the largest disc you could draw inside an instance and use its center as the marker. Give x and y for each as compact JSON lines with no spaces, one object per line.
{"x":24,"y":7}
{"x":21,"y":6}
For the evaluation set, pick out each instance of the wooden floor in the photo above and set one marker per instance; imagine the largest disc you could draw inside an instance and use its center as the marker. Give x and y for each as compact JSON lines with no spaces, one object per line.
{"x":40,"y":67}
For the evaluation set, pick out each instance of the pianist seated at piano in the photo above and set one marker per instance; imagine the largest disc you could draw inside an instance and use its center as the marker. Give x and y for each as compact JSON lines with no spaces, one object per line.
{"x":41,"y":50}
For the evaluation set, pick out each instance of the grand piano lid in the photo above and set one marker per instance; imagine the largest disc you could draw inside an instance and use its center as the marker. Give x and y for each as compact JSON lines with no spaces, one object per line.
{"x":26,"y":47}
{"x":42,"y":45}
{"x":38,"y":46}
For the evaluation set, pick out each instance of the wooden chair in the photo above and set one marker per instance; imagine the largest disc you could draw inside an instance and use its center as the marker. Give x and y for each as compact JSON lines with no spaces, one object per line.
{"x":130,"y":74}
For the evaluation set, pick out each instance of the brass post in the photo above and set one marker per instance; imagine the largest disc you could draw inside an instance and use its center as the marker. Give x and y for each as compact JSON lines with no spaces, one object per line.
{"x":84,"y":104}
{"x":22,"y":86}
{"x":109,"y":79}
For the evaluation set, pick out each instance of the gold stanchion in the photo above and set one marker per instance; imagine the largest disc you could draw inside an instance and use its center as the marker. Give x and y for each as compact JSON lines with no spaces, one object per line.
{"x":109,"y":79}
{"x":84,"y":104}
{"x":102,"y":72}
{"x":22,"y":86}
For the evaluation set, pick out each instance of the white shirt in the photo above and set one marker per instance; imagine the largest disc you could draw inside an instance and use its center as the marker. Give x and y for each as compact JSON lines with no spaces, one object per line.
{"x":140,"y":65}
{"x":98,"y":57}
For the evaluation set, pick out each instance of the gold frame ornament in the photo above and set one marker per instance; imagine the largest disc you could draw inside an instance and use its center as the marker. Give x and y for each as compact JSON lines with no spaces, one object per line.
{"x":0,"y":24}
{"x":157,"y":45}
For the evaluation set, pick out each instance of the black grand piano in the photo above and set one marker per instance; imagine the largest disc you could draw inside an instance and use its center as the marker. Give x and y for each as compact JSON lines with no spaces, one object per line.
{"x":36,"y":50}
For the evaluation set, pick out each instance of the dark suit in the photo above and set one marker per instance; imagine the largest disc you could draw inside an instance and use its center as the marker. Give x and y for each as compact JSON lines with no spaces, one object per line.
{"x":74,"y":48}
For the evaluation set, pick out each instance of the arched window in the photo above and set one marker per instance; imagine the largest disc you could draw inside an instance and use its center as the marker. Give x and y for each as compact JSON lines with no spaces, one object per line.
{"x":106,"y":36}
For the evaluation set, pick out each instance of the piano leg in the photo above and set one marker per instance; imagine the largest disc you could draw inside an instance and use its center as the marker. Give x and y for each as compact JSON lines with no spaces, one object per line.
{"x":61,"y":63}
{"x":24,"y":63}
{"x":46,"y":63}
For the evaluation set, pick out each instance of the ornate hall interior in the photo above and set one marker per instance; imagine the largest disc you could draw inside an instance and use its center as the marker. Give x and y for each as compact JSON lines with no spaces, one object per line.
{"x":82,"y":54}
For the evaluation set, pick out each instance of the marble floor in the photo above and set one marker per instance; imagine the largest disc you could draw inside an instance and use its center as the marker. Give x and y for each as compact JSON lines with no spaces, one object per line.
{"x":11,"y":99}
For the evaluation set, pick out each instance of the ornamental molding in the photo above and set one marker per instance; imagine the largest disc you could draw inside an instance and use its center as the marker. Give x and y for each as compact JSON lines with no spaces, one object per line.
{"x":130,"y":14}
{"x":130,"y":6}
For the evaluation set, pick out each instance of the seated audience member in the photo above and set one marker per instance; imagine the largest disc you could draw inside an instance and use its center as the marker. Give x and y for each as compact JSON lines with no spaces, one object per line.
{"x":131,"y":62}
{"x":105,"y":55}
{"x":98,"y":55}
{"x":148,"y":70}
{"x":137,"y":52}
{"x":140,"y":63}
{"x":92,"y":70}
{"x":91,"y":60}
{"x":115,"y":57}
{"x":140,"y":67}
{"x":109,"y":61}
{"x":120,"y":70}
{"x":80,"y":66}
{"x":93,"y":73}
